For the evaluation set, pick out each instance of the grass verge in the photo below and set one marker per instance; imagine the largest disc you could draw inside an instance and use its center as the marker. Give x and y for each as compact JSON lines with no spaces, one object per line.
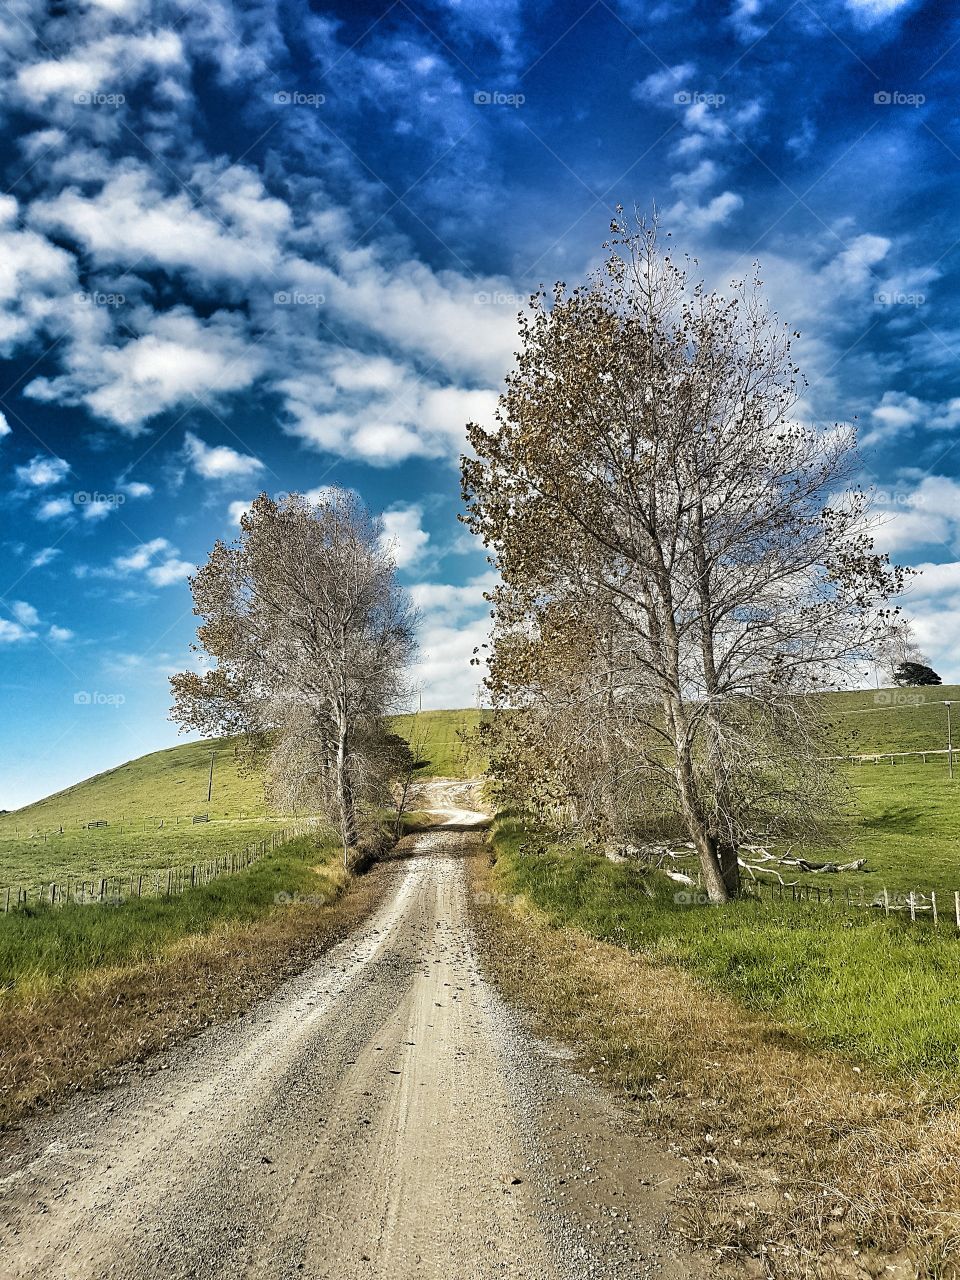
{"x":91,"y":990}
{"x":802,"y":1163}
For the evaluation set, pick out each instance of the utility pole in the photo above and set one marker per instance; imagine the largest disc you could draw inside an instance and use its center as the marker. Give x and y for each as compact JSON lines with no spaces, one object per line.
{"x":210,"y":783}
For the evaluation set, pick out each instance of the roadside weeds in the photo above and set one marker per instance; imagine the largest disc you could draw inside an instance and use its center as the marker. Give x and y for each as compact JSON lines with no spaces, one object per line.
{"x":801,"y":1164}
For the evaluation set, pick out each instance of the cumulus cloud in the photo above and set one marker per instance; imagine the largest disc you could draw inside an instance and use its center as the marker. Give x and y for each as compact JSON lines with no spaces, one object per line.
{"x":101,"y":65}
{"x":218,"y":462}
{"x":660,"y":86}
{"x":42,"y":471}
{"x":872,"y":11}
{"x":12,"y":632}
{"x":54,"y":509}
{"x":176,"y":357}
{"x":924,"y":514}
{"x":378,"y":410}
{"x":25,"y":613}
{"x":714,"y":213}
{"x":5,"y":427}
{"x":454,"y":621}
{"x":25,"y":625}
{"x":402,"y":534}
{"x":157,"y":561}
{"x":236,"y":509}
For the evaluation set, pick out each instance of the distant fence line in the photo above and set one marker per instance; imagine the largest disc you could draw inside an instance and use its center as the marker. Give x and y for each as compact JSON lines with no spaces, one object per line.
{"x":874,"y":757}
{"x":166,"y":882}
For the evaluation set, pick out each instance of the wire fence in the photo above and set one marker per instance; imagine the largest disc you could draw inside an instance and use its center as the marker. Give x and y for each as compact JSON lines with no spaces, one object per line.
{"x":166,"y":882}
{"x":940,"y":908}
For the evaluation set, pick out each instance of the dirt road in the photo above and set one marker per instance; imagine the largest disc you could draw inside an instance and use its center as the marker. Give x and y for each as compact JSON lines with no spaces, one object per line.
{"x":382,"y":1116}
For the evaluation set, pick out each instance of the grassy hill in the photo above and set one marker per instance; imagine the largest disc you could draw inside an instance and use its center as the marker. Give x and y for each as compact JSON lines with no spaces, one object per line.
{"x":880,"y":720}
{"x":164,"y":784}
{"x":440,"y":738}
{"x":149,"y":803}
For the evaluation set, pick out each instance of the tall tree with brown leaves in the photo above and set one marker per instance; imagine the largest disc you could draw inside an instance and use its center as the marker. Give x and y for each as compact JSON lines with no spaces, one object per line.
{"x":311,"y":635}
{"x":673,"y":544}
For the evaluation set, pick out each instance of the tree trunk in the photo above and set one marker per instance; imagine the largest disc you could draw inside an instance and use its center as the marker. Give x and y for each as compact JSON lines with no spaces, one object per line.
{"x":721,"y":885}
{"x":348,"y":814}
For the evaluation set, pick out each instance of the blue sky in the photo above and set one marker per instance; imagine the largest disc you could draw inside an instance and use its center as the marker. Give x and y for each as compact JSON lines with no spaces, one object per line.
{"x":282,"y":245}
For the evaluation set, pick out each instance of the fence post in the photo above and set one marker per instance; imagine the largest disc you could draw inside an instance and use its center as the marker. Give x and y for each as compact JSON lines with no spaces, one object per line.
{"x":886,"y":901}
{"x":913,"y":906}
{"x":956,"y":907}
{"x":933,"y":907}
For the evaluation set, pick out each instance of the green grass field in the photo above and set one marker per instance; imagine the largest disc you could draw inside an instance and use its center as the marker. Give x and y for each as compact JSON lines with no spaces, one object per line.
{"x":43,"y":945}
{"x":882,"y":991}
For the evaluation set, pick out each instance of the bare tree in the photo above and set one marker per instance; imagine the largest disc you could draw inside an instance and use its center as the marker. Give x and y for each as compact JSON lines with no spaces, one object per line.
{"x":895,"y":645}
{"x":311,"y":635}
{"x":659,"y":519}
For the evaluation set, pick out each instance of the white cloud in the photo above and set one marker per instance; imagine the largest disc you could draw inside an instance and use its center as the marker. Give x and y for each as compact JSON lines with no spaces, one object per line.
{"x":697,"y":179}
{"x":660,"y":87}
{"x":899,"y":413}
{"x":402,"y":534}
{"x":54,"y":509}
{"x":5,"y":427}
{"x":106,"y":65}
{"x":140,"y":556}
{"x":137,"y":489}
{"x":42,"y":471}
{"x":12,"y":632}
{"x":25,"y":613}
{"x":44,"y":556}
{"x":446,"y":601}
{"x":131,"y":218}
{"x":714,"y":213}
{"x":454,"y":620}
{"x":59,"y":635}
{"x":378,"y":410}
{"x":176,"y":357}
{"x":237,"y":509}
{"x":443,"y":670}
{"x":218,"y":462}
{"x":157,"y":560}
{"x":171,"y":571}
{"x":871,"y":11}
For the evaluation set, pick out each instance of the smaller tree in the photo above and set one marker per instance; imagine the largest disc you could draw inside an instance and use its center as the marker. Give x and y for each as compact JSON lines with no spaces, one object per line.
{"x":896,"y":645}
{"x":915,"y":674}
{"x":310,"y":634}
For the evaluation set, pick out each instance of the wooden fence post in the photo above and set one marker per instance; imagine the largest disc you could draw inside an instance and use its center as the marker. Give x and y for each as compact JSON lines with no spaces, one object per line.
{"x":886,"y":901}
{"x":913,"y":906}
{"x":933,"y":908}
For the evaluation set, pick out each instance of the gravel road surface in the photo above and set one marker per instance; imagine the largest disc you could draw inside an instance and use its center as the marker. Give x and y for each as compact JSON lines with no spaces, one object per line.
{"x":383,"y":1115}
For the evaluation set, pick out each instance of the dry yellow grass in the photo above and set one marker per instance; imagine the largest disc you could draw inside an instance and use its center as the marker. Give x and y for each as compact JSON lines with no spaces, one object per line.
{"x":801,"y":1164}
{"x":90,"y":1030}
